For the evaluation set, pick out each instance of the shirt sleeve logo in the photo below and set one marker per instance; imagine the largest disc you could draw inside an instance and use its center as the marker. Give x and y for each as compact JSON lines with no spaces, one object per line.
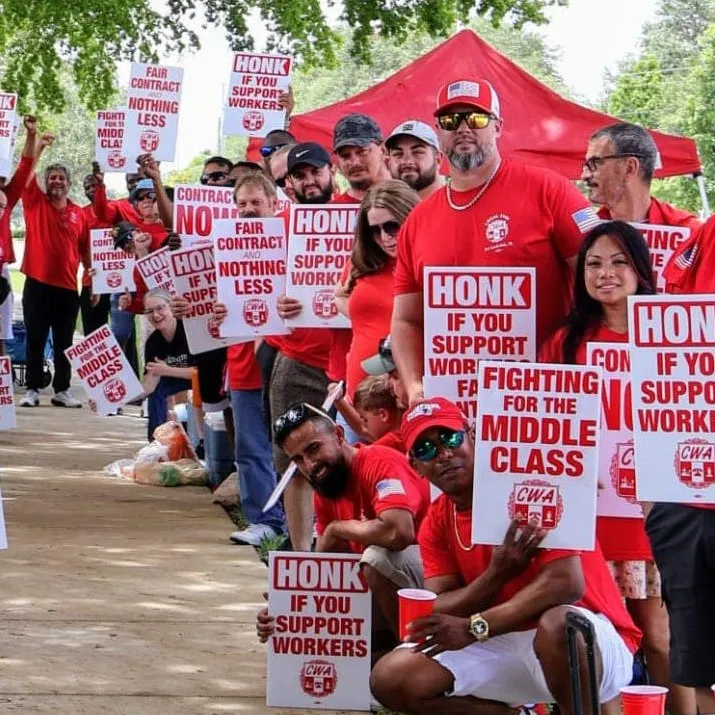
{"x":390,"y":487}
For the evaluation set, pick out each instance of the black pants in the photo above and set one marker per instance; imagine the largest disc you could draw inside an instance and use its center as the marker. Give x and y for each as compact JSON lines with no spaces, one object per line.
{"x":93,"y":317}
{"x":266,"y":356}
{"x":46,"y":308}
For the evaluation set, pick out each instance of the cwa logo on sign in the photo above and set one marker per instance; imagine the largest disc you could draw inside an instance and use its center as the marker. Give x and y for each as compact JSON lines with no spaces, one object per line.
{"x":255,"y":312}
{"x":253,"y":121}
{"x":324,"y":304}
{"x":149,"y":140}
{"x":623,"y":471}
{"x":318,"y":678}
{"x":537,"y":501}
{"x":695,"y":463}
{"x":115,"y":391}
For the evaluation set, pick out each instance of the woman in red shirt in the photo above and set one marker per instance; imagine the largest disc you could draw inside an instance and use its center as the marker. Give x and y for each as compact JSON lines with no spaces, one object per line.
{"x":365,"y":296}
{"x":613,"y":263}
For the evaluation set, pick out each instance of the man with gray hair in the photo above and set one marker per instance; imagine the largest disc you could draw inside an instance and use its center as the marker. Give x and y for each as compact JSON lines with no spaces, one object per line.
{"x":55,"y":242}
{"x":618,"y":170}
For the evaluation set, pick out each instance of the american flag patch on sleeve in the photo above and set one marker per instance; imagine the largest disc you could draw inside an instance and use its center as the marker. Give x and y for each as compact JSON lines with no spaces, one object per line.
{"x":586,"y":219}
{"x":389,"y":488}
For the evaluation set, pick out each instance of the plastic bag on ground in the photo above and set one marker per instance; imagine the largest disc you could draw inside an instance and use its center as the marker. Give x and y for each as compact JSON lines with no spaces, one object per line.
{"x":179,"y":473}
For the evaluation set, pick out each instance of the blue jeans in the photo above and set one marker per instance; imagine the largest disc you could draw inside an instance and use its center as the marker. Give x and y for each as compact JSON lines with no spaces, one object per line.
{"x":256,"y":474}
{"x":158,"y":412}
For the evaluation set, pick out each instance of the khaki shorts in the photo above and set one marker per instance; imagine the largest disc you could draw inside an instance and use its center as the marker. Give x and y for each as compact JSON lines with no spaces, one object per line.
{"x":403,"y":568}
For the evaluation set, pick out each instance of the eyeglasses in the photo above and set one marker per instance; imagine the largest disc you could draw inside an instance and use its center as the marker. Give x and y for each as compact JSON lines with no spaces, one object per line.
{"x":213,"y":176}
{"x":425,"y":450}
{"x":593,"y":162}
{"x":293,"y":417}
{"x":391,"y":228}
{"x":475,"y":120}
{"x":148,"y":196}
{"x":266,"y":151}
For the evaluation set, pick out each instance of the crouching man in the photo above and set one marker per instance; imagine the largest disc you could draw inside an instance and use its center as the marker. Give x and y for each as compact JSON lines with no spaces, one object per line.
{"x":367,"y":500}
{"x":497,"y":639}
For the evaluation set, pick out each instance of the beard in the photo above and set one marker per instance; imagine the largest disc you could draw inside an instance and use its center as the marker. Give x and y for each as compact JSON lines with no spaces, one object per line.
{"x":323,"y":197}
{"x":249,"y":214}
{"x":466,"y":161}
{"x":421,"y":181}
{"x":335,"y":481}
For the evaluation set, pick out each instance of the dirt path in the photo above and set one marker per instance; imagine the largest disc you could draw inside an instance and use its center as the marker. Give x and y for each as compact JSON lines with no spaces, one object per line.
{"x":118,"y":598}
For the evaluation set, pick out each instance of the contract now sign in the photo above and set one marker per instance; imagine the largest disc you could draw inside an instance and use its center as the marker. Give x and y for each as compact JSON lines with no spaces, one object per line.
{"x":319,"y":656}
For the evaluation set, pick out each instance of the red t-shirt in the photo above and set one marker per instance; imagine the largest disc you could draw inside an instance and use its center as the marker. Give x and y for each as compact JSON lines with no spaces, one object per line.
{"x":380,"y":479}
{"x":340,"y":341}
{"x":13,"y":192}
{"x":370,"y":307}
{"x":55,"y":239}
{"x":690,"y":269}
{"x":528,"y":216}
{"x":621,"y":539}
{"x":243,"y":370}
{"x":445,"y":532}
{"x":393,"y":440}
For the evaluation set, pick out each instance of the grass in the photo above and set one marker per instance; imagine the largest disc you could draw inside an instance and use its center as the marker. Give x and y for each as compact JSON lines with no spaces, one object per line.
{"x":17,"y":280}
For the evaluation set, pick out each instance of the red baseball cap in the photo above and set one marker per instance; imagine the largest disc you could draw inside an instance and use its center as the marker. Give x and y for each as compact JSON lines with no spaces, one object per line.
{"x":432,"y":412}
{"x":476,"y":93}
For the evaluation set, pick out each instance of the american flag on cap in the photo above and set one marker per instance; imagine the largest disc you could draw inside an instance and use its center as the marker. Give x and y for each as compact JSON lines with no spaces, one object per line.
{"x":472,"y":92}
{"x":462,"y":89}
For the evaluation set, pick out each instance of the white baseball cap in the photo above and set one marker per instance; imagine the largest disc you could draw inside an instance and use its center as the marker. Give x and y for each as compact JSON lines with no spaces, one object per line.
{"x":417,"y":129}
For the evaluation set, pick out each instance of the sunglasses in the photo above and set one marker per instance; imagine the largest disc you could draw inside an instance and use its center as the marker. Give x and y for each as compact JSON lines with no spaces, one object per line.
{"x":475,"y":120}
{"x":213,"y":176}
{"x":294,"y":417}
{"x":149,"y":195}
{"x":425,"y":450}
{"x":266,"y":151}
{"x":391,"y":228}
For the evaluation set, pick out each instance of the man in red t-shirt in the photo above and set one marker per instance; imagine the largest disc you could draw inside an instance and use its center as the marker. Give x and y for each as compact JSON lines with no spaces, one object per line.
{"x":493,"y":212}
{"x":498,"y":631}
{"x":367,"y":501}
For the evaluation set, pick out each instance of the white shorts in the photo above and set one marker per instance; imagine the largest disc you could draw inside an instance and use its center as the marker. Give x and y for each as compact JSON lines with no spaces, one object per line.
{"x":6,"y":310}
{"x":505,"y":668}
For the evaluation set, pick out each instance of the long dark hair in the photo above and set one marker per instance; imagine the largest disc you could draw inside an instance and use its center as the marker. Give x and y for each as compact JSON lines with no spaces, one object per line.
{"x":586,"y":312}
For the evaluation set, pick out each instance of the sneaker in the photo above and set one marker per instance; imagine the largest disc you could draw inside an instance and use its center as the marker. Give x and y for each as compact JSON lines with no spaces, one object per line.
{"x":64,"y":399}
{"x":253,"y":534}
{"x":31,"y":399}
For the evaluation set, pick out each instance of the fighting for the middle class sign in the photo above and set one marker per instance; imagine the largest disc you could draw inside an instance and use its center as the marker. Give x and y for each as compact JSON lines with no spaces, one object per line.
{"x":537,"y":434}
{"x":473,"y":314}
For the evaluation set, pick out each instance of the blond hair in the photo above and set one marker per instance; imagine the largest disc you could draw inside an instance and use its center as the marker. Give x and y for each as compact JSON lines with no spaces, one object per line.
{"x":374,"y":393}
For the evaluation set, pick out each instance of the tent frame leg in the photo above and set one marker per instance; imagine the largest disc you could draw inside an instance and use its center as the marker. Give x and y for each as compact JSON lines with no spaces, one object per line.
{"x":703,"y":195}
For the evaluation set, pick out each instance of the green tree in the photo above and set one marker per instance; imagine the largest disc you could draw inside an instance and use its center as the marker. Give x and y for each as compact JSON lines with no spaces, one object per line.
{"x":39,"y":38}
{"x":638,"y":96}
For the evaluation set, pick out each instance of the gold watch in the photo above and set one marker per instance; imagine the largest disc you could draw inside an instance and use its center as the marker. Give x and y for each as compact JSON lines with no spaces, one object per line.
{"x":479,"y":627}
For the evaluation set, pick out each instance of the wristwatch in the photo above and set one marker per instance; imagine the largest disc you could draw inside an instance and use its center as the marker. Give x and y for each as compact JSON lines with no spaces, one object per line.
{"x":479,"y":627}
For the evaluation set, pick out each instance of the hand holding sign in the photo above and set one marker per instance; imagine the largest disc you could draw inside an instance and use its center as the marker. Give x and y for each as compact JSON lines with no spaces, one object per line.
{"x":288,"y":307}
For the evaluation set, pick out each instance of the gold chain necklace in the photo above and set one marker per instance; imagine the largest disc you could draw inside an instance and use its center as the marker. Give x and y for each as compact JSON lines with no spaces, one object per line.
{"x":476,"y":198}
{"x":456,"y":530}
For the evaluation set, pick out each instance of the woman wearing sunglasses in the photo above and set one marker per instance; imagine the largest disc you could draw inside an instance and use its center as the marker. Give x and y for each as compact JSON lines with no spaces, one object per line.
{"x":366,"y":293}
{"x":613,"y":263}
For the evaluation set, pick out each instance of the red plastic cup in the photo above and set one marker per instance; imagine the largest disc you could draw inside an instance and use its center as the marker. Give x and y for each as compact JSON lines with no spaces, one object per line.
{"x":414,"y":603}
{"x":643,"y":699}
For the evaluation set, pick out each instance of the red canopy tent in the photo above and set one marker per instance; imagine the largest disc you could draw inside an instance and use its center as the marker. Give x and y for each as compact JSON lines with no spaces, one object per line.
{"x":540,"y":126}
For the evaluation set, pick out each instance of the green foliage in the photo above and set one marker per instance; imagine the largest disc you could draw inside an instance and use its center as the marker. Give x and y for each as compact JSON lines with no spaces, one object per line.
{"x":88,"y":37}
{"x":191,"y":173}
{"x":639,"y":95}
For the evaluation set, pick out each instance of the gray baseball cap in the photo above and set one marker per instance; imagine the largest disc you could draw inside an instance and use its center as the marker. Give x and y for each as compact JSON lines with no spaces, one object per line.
{"x":356,"y":130}
{"x":382,"y":363}
{"x":414,"y":128}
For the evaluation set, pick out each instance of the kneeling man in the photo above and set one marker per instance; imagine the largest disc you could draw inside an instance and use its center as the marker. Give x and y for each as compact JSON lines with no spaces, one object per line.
{"x":496,"y":639}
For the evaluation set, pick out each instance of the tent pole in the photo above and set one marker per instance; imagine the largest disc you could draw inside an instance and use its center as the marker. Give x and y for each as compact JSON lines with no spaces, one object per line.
{"x":703,"y":195}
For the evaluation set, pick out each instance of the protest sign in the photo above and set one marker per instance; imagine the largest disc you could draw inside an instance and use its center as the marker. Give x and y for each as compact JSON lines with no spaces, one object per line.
{"x":257,"y":82}
{"x":616,"y":459}
{"x":153,"y":99}
{"x":197,"y":207}
{"x":193,"y":273}
{"x":672,"y":345}
{"x":251,"y":273}
{"x":662,"y":242}
{"x":473,"y":314}
{"x":8,"y":118}
{"x":154,"y":270}
{"x":104,"y":370}
{"x":283,"y":203}
{"x":113,"y":268}
{"x":319,"y":247}
{"x":7,"y":398}
{"x":7,"y":164}
{"x":319,"y":655}
{"x":110,"y":135}
{"x":3,"y":532}
{"x":537,"y":451}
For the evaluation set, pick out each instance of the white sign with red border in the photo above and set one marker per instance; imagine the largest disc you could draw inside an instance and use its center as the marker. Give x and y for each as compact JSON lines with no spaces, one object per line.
{"x":253,"y":105}
{"x":616,"y":462}
{"x":110,"y":140}
{"x":662,"y":241}
{"x":153,"y":100}
{"x":7,"y":164}
{"x":196,"y":208}
{"x":537,"y":434}
{"x":113,"y":267}
{"x":104,"y":370}
{"x":672,"y":344}
{"x":319,"y":247}
{"x":155,"y":272}
{"x":473,"y":314}
{"x":7,"y":397}
{"x":319,"y":655}
{"x":8,"y":119}
{"x":251,"y":274}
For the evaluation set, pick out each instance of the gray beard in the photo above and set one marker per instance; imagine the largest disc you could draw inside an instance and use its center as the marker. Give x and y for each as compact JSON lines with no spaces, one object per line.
{"x":467,"y":161}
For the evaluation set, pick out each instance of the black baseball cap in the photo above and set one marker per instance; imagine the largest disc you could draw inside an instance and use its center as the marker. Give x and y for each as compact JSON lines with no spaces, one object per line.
{"x":356,"y":130}
{"x":122,"y":233}
{"x":308,"y":153}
